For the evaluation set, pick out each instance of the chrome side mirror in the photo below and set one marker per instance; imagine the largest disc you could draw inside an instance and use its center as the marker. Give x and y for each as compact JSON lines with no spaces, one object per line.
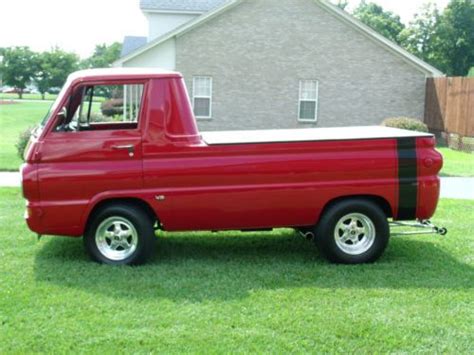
{"x":63,"y":112}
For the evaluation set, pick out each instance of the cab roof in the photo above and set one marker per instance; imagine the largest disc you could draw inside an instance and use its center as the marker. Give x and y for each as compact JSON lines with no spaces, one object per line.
{"x":122,"y":73}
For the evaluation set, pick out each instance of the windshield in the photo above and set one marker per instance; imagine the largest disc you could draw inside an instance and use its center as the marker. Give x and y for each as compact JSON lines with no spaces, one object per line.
{"x":55,"y":104}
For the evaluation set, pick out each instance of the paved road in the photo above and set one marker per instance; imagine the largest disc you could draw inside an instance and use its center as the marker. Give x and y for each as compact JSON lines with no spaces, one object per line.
{"x":10,"y":179}
{"x":459,"y":188}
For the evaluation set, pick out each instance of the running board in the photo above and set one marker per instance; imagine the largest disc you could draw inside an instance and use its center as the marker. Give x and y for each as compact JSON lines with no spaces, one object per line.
{"x":424,"y":227}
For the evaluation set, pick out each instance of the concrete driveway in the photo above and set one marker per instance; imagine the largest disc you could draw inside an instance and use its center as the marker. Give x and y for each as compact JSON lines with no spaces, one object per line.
{"x":461,"y":188}
{"x":10,"y":179}
{"x":458,"y":188}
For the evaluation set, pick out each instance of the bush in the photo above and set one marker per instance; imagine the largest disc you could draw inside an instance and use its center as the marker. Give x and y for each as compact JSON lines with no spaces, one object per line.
{"x":112,"y":107}
{"x":23,"y":139}
{"x":410,"y":124}
{"x":97,"y":117}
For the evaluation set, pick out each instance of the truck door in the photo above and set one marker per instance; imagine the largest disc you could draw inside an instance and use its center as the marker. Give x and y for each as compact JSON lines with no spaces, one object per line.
{"x":94,"y":148}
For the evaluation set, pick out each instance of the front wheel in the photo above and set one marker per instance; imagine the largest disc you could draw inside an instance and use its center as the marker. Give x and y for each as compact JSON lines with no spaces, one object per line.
{"x":353,"y":232}
{"x":120,"y":234}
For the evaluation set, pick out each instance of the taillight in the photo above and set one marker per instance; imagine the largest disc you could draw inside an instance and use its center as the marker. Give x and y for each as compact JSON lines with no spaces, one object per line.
{"x":430,"y":161}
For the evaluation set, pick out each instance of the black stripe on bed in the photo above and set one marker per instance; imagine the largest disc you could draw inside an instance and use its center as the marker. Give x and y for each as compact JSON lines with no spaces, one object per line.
{"x":407,"y":178}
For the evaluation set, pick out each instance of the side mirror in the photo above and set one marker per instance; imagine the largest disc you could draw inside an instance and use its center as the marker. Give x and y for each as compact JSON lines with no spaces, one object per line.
{"x":61,"y":119}
{"x":63,"y":112}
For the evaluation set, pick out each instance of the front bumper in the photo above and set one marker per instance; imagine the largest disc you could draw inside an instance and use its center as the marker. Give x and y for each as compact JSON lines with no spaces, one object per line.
{"x":33,"y":217}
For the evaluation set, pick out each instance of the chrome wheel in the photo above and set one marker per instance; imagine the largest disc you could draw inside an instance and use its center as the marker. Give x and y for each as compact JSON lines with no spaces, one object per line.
{"x":354,"y":233}
{"x":116,"y":238}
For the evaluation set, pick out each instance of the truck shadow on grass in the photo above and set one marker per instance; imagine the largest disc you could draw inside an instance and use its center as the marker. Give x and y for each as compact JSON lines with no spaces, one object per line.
{"x":197,"y":267}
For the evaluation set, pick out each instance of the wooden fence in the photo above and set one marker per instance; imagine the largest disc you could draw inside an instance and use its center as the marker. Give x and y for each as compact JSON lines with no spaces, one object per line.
{"x":449,"y":105}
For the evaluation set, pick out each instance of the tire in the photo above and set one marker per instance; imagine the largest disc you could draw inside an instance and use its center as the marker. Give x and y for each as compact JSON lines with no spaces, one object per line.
{"x":353,"y":231}
{"x":120,"y":234}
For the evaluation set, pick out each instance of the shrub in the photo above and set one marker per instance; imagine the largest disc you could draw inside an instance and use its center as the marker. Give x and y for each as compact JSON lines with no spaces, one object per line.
{"x":112,"y":107}
{"x":23,"y":139}
{"x":97,"y":117}
{"x":410,"y":124}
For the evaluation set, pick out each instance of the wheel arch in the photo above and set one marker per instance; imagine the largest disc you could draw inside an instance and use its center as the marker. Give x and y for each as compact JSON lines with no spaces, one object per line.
{"x":131,"y":201}
{"x":378,"y":200}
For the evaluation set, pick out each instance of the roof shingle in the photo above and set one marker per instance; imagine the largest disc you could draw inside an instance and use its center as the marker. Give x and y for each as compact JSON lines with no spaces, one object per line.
{"x":180,"y":5}
{"x":131,"y":43}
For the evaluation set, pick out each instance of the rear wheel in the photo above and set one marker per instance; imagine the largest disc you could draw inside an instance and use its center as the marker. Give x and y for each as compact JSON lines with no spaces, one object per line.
{"x":353,"y":232}
{"x":120,"y":234}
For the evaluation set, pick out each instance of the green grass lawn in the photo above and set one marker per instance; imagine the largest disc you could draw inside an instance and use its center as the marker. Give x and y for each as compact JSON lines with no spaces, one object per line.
{"x":48,"y":97}
{"x":4,"y":96}
{"x":14,"y":119}
{"x":457,"y":163}
{"x":234,"y":292}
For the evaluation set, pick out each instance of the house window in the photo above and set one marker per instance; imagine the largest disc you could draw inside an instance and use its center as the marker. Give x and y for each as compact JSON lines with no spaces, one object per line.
{"x":308,"y":101}
{"x":202,"y":96}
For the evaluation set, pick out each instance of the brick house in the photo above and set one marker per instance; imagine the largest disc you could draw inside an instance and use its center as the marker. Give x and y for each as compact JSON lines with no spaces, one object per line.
{"x":253,"y":64}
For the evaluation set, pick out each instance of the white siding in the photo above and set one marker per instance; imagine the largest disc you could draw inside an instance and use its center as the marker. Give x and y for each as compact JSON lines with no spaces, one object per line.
{"x":162,"y":56}
{"x":159,"y":23}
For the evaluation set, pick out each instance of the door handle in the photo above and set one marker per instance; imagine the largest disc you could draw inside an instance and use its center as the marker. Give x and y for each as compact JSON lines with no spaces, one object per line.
{"x":129,"y":147}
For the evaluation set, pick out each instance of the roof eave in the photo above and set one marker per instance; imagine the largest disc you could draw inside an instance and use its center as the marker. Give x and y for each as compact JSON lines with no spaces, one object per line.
{"x":178,"y":31}
{"x":172,"y":11}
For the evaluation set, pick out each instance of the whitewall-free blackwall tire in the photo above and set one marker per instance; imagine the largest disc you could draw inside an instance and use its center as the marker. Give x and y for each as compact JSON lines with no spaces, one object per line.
{"x":120,"y":234}
{"x":353,"y":231}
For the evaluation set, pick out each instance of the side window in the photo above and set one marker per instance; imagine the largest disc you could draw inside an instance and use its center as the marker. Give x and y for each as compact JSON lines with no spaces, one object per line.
{"x":308,"y":101}
{"x":105,"y":107}
{"x":202,"y":96}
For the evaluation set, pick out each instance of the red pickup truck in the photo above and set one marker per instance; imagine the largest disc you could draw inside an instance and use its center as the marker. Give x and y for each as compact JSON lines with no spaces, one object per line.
{"x":119,"y":155}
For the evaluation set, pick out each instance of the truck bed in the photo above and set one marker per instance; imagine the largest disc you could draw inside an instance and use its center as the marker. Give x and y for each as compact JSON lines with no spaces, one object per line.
{"x":307,"y":135}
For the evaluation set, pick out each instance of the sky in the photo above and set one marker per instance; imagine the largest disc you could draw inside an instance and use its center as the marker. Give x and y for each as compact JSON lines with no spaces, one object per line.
{"x":77,"y":26}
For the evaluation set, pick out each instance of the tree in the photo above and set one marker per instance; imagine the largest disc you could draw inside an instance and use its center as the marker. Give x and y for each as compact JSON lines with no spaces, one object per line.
{"x":18,"y":67}
{"x":453,"y":47}
{"x":103,"y":56}
{"x":2,"y":50}
{"x":384,"y":22}
{"x":342,"y":4}
{"x":418,"y":38}
{"x":53,"y":68}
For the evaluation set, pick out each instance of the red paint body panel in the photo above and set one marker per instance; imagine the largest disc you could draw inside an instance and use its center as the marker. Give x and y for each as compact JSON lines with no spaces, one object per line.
{"x":430,"y":162}
{"x":269,"y":185}
{"x":206,"y":187}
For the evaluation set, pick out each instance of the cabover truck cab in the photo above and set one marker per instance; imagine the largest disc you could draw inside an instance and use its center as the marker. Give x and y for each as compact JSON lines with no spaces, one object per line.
{"x":119,"y":155}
